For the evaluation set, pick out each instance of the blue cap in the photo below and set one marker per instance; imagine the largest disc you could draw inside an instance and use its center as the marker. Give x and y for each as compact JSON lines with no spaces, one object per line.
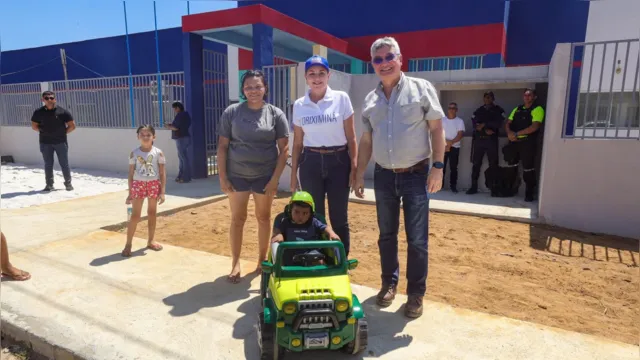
{"x":316,"y":60}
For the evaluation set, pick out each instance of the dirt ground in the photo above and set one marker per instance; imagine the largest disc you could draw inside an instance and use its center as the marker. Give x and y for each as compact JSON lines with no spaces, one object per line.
{"x":557,"y":277}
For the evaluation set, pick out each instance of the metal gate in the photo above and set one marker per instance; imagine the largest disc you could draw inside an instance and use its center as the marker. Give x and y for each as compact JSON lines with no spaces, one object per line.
{"x":216,"y":100}
{"x":283,"y":89}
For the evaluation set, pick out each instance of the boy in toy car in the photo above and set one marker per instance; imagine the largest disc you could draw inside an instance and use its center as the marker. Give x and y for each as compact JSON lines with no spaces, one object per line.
{"x":299,"y":223}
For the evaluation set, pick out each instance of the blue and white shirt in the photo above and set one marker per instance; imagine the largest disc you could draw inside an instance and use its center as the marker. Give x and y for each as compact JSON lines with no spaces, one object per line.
{"x":323,"y":122}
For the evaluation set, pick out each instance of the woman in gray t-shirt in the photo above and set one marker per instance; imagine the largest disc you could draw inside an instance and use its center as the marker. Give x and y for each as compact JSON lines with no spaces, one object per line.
{"x":252,"y":153}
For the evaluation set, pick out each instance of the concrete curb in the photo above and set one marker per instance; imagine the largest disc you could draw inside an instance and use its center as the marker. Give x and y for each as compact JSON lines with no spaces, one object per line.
{"x":210,"y":200}
{"x":42,"y":347}
{"x":537,"y":220}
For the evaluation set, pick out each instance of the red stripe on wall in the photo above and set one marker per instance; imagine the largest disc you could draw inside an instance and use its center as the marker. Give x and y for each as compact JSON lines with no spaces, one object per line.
{"x":458,"y":41}
{"x":256,"y":14}
{"x":221,"y":19}
{"x":245,"y":60}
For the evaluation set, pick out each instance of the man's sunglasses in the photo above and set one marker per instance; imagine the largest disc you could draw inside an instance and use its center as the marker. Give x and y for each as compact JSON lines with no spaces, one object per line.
{"x":453,"y":108}
{"x":387,"y":58}
{"x":49,"y":98}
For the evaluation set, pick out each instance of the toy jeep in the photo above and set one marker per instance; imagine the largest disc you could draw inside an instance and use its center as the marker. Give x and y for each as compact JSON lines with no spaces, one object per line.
{"x":309,"y":306}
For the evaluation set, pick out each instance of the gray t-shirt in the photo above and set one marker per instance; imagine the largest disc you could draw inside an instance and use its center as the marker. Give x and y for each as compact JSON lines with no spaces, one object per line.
{"x":253,"y":135}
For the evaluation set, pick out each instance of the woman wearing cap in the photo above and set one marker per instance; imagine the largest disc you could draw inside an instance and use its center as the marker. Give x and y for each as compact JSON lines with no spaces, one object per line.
{"x":324,"y":148}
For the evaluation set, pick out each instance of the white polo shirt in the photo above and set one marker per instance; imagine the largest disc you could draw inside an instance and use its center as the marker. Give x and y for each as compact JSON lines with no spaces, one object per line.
{"x":323,"y":122}
{"x":451,"y":128}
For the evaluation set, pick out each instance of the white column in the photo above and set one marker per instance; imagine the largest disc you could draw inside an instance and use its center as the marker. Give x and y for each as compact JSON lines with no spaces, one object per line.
{"x":320,"y":50}
{"x":233,"y":69}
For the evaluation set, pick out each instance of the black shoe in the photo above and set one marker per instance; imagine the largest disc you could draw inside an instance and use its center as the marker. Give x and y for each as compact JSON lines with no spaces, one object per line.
{"x":69,"y":187}
{"x":454,"y":189}
{"x":528,"y":198}
{"x":48,"y":188}
{"x":472,"y":191}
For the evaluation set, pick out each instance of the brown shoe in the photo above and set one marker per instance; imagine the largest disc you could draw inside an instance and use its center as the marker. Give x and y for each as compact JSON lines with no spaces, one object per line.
{"x":413,"y":307}
{"x":386,"y":295}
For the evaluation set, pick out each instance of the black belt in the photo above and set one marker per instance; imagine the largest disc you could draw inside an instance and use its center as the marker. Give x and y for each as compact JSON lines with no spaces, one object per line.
{"x":326,"y":149}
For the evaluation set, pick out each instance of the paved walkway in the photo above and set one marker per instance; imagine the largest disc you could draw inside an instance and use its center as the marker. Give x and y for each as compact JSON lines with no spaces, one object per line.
{"x":176,"y":304}
{"x":480,"y":204}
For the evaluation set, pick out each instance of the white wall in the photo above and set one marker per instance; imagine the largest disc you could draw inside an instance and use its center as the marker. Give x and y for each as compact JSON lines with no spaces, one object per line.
{"x":611,"y":20}
{"x":592,"y":184}
{"x":100,"y":149}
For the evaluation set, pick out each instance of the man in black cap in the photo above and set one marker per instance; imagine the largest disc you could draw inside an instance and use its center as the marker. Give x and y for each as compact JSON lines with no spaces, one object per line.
{"x":487,"y":121}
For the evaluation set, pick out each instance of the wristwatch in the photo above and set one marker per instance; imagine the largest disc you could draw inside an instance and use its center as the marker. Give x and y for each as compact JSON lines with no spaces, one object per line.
{"x":438,"y":165}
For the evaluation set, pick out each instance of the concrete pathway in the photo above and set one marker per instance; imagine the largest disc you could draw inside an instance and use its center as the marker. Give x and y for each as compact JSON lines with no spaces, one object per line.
{"x":36,"y":225}
{"x":480,"y":204}
{"x":85,"y":300}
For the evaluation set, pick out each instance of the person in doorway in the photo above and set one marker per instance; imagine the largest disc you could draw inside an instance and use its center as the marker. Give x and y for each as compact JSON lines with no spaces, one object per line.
{"x":324,"y":147}
{"x":53,"y":123}
{"x":523,"y":129}
{"x":8,"y":269}
{"x":147,"y":180}
{"x":180,"y":133}
{"x":487,"y":120}
{"x":402,"y":120}
{"x":453,"y":132}
{"x":252,"y":153}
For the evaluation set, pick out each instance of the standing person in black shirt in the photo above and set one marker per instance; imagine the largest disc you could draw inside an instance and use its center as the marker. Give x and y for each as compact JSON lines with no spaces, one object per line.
{"x":180,"y":133}
{"x":487,"y":121}
{"x":53,"y":123}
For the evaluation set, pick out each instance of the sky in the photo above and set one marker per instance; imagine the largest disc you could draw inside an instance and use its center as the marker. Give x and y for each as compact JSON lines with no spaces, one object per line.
{"x":34,"y":23}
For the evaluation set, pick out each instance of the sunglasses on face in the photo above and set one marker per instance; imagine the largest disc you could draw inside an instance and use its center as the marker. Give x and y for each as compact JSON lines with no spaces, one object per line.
{"x":49,"y":98}
{"x":453,"y":108}
{"x":387,"y":58}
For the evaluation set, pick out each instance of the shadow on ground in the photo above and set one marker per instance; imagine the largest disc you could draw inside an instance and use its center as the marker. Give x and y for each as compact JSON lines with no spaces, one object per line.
{"x":597,"y":247}
{"x":21,"y":193}
{"x":209,"y":295}
{"x":385,"y":333}
{"x":117,"y":257}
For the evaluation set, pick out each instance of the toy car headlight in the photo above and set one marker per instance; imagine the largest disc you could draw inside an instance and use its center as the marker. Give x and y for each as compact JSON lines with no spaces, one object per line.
{"x":289,"y":308}
{"x":342,"y":305}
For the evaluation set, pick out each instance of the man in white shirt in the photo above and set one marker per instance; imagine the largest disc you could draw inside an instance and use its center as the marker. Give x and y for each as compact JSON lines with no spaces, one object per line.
{"x":453,"y":132}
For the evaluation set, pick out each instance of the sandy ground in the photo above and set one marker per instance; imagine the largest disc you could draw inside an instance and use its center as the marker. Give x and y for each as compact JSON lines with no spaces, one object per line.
{"x":21,"y":185}
{"x":557,"y":277}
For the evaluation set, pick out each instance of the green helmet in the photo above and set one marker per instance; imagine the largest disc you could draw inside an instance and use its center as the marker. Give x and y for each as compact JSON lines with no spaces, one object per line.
{"x":305,"y":197}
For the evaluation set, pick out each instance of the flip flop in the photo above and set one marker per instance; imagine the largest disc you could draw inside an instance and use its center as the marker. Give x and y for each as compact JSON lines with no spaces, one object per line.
{"x":127,"y":251}
{"x":22,"y":276}
{"x":234,"y":279}
{"x":154,"y":247}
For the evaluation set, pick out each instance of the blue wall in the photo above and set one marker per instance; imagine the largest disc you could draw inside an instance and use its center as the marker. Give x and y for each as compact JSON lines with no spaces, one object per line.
{"x":350,"y":18}
{"x":106,"y":56}
{"x":536,"y":26}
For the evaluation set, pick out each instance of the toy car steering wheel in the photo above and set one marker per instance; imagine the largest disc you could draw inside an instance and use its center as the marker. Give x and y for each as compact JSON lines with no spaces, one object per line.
{"x":309,"y":258}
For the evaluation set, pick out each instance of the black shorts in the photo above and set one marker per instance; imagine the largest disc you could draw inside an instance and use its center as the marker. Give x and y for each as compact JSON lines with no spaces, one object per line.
{"x":255,"y":185}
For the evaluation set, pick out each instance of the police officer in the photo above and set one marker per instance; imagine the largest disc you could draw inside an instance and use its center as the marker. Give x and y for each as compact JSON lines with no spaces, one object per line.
{"x":487,"y":121}
{"x":522,"y":129}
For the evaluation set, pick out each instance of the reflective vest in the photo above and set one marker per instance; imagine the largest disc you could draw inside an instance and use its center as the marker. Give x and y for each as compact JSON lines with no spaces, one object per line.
{"x":522,"y":119}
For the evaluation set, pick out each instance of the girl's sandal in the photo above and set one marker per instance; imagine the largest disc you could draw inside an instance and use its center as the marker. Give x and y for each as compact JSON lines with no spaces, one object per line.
{"x":19,"y":276}
{"x":154,"y":246}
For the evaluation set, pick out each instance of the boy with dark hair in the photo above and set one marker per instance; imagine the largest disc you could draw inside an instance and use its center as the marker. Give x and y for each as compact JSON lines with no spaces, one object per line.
{"x":299,"y":223}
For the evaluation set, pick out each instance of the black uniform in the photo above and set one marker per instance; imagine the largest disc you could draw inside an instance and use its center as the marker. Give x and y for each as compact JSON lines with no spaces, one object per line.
{"x":526,"y":145}
{"x":492,"y":117}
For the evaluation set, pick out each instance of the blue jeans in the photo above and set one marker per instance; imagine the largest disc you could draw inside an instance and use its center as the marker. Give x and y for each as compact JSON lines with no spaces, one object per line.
{"x":183,"y":145}
{"x":328,"y":174}
{"x":62,"y":150}
{"x":410,"y":187}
